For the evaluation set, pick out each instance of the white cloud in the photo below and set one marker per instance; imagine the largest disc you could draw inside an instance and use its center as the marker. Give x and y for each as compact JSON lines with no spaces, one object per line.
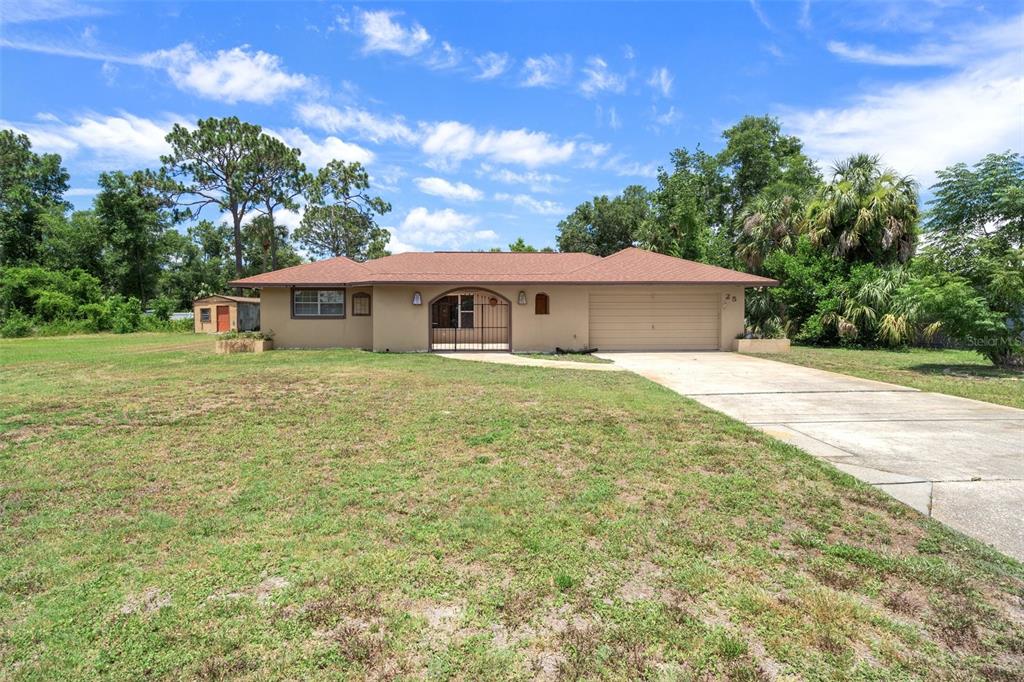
{"x":666,"y":118}
{"x":599,"y":79}
{"x":592,"y":153}
{"x":445,"y":228}
{"x":922,"y":55}
{"x":450,"y":142}
{"x":623,"y":167}
{"x":458,"y":191}
{"x":396,"y":245}
{"x":46,"y":10}
{"x":64,"y":50}
{"x":613,"y":119}
{"x":805,"y":15}
{"x":492,"y":65}
{"x":546,"y":71}
{"x":537,"y":182}
{"x":382,"y":34}
{"x":235,"y":75}
{"x":387,"y":177}
{"x":123,"y":140}
{"x":317,"y":154}
{"x":661,"y":80}
{"x":923,"y":126}
{"x":761,"y":16}
{"x":541,"y":207}
{"x":448,"y":57}
{"x":363,"y":123}
{"x":963,"y":45}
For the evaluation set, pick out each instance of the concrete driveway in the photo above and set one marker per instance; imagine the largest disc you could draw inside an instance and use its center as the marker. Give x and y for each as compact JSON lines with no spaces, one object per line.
{"x":960,"y":461}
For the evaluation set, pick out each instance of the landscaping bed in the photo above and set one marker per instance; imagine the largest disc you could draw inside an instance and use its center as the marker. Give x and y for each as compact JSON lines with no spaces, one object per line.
{"x":343,"y":514}
{"x":244,"y":342}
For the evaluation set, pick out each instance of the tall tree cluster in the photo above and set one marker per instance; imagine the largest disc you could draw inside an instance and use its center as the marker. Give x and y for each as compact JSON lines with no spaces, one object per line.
{"x":156,"y":236}
{"x":699,"y":208}
{"x":843,"y":247}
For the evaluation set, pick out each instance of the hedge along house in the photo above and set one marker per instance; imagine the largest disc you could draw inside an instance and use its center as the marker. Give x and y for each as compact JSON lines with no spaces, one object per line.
{"x":218,"y":314}
{"x":455,"y":301}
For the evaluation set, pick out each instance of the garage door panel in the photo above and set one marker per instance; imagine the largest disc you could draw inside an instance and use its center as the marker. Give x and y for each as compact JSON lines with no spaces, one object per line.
{"x":678,"y":320}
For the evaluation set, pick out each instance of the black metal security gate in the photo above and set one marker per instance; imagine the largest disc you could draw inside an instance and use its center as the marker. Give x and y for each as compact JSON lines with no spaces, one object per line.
{"x":469,"y":320}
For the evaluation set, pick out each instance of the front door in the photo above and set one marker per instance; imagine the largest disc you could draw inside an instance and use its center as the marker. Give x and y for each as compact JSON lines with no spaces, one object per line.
{"x":469,"y":320}
{"x":223,"y":318}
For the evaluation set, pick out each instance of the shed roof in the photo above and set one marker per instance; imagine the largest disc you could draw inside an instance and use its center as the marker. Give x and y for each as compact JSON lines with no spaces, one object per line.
{"x":629,"y":266}
{"x":236,"y":299}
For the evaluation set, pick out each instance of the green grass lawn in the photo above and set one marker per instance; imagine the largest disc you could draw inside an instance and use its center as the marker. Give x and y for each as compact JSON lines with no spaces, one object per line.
{"x":167,"y":513}
{"x":954,"y":372}
{"x":566,"y":357}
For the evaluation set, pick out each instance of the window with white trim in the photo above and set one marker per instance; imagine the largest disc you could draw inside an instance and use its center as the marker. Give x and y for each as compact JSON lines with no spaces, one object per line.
{"x":466,"y":311}
{"x":318,"y":303}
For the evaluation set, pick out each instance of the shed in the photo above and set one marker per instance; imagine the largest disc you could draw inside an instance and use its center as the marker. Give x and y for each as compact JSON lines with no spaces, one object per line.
{"x":221,"y":313}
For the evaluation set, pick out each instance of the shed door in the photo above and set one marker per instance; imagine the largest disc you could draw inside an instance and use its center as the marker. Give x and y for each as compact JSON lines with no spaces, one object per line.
{"x":223,"y":318}
{"x":681,"y":319}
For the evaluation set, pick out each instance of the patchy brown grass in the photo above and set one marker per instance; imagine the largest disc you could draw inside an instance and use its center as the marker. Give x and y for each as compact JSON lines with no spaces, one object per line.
{"x":169,"y":513}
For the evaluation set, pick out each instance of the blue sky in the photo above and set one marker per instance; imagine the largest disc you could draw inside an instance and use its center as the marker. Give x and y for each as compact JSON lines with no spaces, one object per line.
{"x":484,"y":122}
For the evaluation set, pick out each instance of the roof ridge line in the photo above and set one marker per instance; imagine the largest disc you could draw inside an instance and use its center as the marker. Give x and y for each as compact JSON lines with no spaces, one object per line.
{"x":600,"y":259}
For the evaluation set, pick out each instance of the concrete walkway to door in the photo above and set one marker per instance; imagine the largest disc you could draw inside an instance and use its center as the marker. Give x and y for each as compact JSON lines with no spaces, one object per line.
{"x":960,"y":461}
{"x":505,"y":358}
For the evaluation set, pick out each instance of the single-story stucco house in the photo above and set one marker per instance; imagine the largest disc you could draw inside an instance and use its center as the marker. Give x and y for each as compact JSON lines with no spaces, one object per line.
{"x":446,"y":301}
{"x":219,"y":313}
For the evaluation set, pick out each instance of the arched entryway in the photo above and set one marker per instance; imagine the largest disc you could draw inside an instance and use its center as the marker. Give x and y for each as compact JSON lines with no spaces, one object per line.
{"x":470,"y":319}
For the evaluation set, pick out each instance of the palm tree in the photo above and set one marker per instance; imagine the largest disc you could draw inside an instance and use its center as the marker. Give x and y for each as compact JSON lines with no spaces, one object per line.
{"x":867,"y":213}
{"x":767,"y":224}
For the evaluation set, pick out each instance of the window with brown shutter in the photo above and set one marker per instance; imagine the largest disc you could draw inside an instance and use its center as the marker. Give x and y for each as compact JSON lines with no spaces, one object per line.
{"x":540,"y":306}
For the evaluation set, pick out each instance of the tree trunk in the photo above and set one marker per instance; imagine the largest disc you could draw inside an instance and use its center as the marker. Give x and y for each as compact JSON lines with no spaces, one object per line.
{"x":273,"y":240}
{"x":142,"y":286}
{"x":237,"y":218}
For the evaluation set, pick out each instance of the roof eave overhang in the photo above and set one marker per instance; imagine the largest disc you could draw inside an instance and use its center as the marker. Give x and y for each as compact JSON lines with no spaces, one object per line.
{"x":525,"y":282}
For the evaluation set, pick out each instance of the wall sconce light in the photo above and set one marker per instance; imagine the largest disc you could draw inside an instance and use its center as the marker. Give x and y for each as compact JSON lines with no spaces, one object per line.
{"x":522,"y":298}
{"x":417,"y":299}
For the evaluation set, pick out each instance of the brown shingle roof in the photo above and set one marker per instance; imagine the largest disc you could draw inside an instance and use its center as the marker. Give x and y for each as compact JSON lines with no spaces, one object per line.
{"x":637,"y":266}
{"x":329,"y":272}
{"x":236,"y":299}
{"x":629,"y":266}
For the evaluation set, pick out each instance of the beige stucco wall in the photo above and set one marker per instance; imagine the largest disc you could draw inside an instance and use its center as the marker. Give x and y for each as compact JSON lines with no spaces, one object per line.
{"x":211,"y":326}
{"x":405,"y":326}
{"x":733,"y":317}
{"x":396,"y":325}
{"x":350,"y":332}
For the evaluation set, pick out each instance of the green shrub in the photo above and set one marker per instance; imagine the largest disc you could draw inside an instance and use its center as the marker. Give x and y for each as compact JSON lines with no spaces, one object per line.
{"x":62,"y":328}
{"x":16,"y":325}
{"x":162,"y":308}
{"x":265,"y":336}
{"x":55,"y":305}
{"x":125,"y":314}
{"x":150,"y":323}
{"x":22,"y":287}
{"x":95,"y":316}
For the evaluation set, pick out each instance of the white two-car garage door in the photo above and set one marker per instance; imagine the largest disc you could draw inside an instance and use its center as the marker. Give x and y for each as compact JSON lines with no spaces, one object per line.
{"x":671,"y":319}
